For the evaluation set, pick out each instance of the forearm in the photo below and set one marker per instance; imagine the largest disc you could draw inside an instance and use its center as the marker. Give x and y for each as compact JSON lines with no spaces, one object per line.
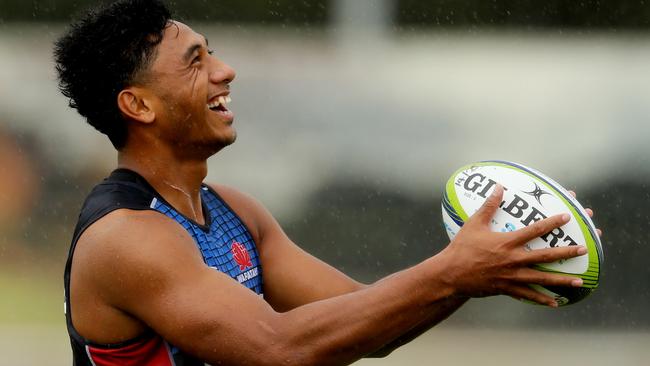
{"x":342,"y":329}
{"x":442,"y":312}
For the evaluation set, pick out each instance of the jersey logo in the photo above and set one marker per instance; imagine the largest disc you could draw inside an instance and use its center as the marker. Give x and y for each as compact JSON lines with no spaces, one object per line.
{"x":241,"y":256}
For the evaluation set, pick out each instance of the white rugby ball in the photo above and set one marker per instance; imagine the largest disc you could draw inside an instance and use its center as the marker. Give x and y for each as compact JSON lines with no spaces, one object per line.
{"x":529,"y":196}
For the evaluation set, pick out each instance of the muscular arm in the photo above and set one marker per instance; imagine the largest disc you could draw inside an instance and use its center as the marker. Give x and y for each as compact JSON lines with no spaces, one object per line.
{"x":294,"y":278}
{"x":154,"y":273}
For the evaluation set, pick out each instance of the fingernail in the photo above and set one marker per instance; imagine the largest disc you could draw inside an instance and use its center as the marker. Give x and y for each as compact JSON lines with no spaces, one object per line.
{"x":566,"y":217}
{"x":582,"y":250}
{"x":553,"y":304}
{"x":496,"y":189}
{"x":577,"y":282}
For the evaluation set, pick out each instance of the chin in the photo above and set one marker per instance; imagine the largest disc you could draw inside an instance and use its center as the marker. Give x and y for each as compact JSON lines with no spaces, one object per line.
{"x":220,"y":142}
{"x":230,"y":139}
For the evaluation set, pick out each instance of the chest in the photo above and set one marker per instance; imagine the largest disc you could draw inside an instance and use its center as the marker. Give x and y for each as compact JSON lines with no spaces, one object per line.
{"x":224,"y":242}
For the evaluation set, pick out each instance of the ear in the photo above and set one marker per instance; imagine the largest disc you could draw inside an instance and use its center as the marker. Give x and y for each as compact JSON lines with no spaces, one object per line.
{"x":134,"y":103}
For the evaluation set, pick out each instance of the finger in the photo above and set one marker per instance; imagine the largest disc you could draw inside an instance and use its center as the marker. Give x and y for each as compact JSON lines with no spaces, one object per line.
{"x":599,"y":232}
{"x":540,"y":228}
{"x":523,"y":292}
{"x":490,"y":206}
{"x":529,"y":275}
{"x":549,"y":255}
{"x":572,"y":193}
{"x":589,"y":212}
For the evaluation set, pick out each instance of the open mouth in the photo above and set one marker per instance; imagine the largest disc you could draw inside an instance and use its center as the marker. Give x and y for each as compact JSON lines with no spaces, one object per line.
{"x":219,"y":104}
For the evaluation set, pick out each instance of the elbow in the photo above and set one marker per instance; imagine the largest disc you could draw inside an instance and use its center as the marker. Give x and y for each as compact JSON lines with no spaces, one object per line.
{"x":288,"y":349}
{"x":297,"y":356}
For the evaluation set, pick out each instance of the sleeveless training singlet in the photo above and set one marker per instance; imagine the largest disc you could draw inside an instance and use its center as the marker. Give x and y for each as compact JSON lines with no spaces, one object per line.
{"x":224,"y":241}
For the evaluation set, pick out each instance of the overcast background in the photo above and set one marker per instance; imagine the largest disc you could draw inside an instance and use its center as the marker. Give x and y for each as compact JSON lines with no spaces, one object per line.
{"x":351,"y":116}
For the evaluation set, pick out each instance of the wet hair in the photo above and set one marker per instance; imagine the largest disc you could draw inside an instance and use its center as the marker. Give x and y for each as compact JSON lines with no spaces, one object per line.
{"x":105,"y":51}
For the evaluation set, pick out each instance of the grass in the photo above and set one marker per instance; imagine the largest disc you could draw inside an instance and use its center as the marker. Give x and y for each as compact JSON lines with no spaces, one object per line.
{"x":32,"y":297}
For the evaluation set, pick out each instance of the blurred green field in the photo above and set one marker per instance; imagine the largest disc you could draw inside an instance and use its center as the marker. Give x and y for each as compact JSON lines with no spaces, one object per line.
{"x":32,"y":298}
{"x":449,"y":346}
{"x":32,"y":325}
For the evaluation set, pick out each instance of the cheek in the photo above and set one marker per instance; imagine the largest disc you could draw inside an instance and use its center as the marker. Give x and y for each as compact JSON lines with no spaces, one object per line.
{"x":179,"y":106}
{"x":198,"y":84}
{"x":183,"y":100}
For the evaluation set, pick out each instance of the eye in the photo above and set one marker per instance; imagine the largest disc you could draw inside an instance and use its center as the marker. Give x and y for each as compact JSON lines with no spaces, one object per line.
{"x":198,"y":57}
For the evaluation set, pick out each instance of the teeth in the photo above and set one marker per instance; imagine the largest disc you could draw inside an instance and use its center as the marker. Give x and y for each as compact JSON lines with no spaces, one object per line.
{"x":220,"y":101}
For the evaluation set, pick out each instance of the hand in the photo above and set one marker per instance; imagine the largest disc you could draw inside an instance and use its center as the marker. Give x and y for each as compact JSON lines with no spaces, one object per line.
{"x":484,"y":263}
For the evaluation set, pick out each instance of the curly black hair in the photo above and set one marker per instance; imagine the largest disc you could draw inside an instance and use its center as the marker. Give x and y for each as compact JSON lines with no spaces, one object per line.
{"x":105,"y":51}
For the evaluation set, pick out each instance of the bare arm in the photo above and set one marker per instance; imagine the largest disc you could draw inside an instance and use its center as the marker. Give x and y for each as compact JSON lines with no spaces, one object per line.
{"x":160,"y":278}
{"x":294,"y":278}
{"x":155,"y":273}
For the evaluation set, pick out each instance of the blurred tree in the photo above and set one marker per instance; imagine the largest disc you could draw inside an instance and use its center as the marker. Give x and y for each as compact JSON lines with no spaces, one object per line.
{"x":19,"y":182}
{"x":300,"y":12}
{"x":623,"y":14}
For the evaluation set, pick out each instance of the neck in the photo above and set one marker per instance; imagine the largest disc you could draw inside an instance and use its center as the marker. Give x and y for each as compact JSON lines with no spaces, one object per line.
{"x":177,"y":180}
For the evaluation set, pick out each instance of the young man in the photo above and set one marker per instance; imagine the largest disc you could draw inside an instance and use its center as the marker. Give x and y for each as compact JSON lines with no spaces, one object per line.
{"x":166,"y":270}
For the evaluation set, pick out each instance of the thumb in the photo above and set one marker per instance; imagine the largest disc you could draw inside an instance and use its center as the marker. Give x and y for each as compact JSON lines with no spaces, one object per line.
{"x":490,"y":206}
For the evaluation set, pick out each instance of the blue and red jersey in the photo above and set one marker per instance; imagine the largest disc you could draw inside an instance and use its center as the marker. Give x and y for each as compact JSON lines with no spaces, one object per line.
{"x":224,"y":242}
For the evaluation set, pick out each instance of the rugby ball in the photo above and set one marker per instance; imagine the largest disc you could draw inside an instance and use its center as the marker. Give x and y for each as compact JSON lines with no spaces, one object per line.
{"x":529,"y":196}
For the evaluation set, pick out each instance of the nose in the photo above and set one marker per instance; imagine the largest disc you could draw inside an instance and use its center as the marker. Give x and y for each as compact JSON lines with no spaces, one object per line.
{"x":222,"y":73}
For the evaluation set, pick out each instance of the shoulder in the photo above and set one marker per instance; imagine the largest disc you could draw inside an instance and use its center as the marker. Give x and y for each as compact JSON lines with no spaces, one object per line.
{"x":128,"y":222}
{"x":110,"y":195}
{"x":251,"y":211}
{"x":117,"y":229}
{"x":124,"y":243}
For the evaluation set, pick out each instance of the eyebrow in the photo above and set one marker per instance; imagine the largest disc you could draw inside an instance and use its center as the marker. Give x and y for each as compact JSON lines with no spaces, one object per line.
{"x":190,"y":51}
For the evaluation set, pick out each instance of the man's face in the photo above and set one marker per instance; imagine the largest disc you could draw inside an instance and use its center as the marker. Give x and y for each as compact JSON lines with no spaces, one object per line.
{"x":191,"y":88}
